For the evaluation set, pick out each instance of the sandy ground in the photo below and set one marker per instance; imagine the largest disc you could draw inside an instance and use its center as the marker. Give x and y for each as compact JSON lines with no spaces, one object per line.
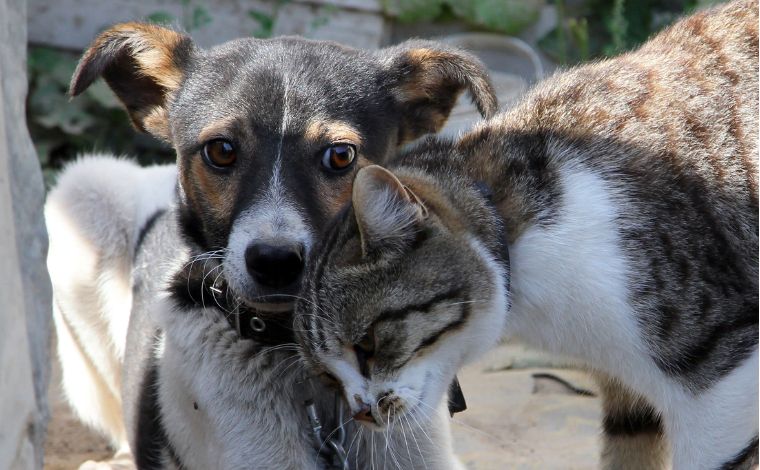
{"x":514,"y":420}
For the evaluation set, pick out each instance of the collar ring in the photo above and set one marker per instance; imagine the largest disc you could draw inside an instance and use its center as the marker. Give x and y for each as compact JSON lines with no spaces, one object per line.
{"x":257,"y":324}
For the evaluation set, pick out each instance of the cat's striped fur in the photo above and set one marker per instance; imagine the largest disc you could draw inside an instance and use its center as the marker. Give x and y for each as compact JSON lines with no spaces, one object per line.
{"x":627,"y":193}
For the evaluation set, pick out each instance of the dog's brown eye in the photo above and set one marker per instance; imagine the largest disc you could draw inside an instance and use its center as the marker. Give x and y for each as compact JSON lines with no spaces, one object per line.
{"x":338,"y":157}
{"x":219,"y":153}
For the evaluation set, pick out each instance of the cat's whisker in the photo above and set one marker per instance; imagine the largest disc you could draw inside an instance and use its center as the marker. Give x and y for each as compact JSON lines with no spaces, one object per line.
{"x":351,"y":442}
{"x":203,"y":283}
{"x":212,"y":288}
{"x":388,"y":443}
{"x":465,"y":302}
{"x":372,"y":451}
{"x":414,"y":438}
{"x":329,"y":321}
{"x":385,"y":434}
{"x":462,"y":423}
{"x":296,"y":361}
{"x":215,"y":254}
{"x":358,"y":446}
{"x":337,"y":428}
{"x":280,"y":347}
{"x":422,"y":428}
{"x":403,"y":434}
{"x":284,"y":361}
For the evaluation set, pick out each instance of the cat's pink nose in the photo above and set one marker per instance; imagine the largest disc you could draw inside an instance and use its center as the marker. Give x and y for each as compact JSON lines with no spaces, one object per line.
{"x":364,"y":414}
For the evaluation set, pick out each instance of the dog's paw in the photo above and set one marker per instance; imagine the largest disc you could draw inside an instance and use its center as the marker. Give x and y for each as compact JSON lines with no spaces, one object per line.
{"x":118,"y":462}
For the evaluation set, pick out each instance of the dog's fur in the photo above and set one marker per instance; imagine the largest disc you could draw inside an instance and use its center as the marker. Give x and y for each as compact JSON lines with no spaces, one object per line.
{"x":158,"y":371}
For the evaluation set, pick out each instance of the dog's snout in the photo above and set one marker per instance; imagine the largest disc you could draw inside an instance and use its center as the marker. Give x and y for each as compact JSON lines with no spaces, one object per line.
{"x":274,"y":266}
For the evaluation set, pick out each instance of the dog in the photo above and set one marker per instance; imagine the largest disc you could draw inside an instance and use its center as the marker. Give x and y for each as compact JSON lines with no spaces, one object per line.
{"x":173,"y":285}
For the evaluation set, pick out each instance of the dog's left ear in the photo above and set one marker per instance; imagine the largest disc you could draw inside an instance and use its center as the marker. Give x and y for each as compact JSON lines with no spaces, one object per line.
{"x":426,"y":79}
{"x":143,"y":64}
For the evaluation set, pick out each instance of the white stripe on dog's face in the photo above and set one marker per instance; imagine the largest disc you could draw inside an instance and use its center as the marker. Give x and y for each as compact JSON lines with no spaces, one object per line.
{"x":274,"y":219}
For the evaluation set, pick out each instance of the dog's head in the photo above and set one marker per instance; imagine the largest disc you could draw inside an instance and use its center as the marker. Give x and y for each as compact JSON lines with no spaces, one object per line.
{"x":269,"y":133}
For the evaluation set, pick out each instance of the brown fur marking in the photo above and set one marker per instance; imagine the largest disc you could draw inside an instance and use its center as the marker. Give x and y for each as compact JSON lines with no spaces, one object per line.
{"x":216,"y":129}
{"x":156,"y":121}
{"x":333,"y":131}
{"x":152,"y":47}
{"x":206,"y":191}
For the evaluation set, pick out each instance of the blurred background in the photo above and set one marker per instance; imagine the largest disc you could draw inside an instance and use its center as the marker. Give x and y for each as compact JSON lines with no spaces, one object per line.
{"x":520,"y":40}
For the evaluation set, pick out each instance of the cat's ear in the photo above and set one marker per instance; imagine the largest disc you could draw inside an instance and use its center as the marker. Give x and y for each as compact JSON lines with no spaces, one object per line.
{"x":387,"y":212}
{"x":143,"y":64}
{"x":426,"y":78}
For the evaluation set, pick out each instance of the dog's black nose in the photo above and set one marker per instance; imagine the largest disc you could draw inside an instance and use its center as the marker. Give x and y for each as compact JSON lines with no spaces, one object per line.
{"x":274,"y":266}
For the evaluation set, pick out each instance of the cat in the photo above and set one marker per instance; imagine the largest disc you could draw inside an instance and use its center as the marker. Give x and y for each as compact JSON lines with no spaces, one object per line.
{"x":611,"y":217}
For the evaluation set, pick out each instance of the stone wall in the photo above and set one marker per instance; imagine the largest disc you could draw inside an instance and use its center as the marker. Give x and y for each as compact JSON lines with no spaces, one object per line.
{"x":25,"y":293}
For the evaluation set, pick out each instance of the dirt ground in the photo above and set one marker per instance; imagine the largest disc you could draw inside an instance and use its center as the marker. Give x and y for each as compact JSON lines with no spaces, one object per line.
{"x":69,"y":443}
{"x":519,"y":416}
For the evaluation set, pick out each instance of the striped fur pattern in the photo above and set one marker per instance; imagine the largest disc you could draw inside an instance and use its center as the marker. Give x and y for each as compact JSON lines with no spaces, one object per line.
{"x":627,"y":193}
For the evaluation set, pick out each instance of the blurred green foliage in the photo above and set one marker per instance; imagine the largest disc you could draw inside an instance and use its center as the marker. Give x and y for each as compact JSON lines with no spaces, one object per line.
{"x":62,"y":128}
{"x":504,"y":16}
{"x":588,"y":29}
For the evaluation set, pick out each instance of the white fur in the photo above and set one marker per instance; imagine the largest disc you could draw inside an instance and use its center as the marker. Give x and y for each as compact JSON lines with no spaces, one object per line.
{"x":719,"y":422}
{"x":569,"y":281}
{"x":570,"y":297}
{"x":93,"y":217}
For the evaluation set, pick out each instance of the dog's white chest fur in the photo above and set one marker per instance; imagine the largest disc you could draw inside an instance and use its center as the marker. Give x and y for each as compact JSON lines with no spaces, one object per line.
{"x":224,"y":405}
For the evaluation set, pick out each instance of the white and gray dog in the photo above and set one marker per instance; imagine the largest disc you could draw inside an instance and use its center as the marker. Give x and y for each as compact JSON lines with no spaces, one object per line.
{"x":174,"y":285}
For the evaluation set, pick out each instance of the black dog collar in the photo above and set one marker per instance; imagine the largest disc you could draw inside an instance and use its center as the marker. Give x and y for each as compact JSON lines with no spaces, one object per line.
{"x":457,"y":402}
{"x":271,"y":328}
{"x":188,"y":290}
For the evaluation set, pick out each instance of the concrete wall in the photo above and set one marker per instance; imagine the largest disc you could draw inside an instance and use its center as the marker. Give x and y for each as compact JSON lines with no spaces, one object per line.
{"x":25,"y":296}
{"x":73,"y":24}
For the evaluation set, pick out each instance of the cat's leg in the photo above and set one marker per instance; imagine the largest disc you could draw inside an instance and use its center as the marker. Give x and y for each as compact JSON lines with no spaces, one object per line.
{"x":716,"y":428}
{"x":632,"y":436}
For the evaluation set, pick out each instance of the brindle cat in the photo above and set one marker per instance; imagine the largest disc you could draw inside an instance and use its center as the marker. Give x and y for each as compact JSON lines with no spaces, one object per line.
{"x":626,"y":192}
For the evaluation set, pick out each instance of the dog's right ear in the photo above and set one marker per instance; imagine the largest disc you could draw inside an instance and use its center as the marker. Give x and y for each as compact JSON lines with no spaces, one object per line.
{"x":427,"y":77}
{"x":143,"y":64}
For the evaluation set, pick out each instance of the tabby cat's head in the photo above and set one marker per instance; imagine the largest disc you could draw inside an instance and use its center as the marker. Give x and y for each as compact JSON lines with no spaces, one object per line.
{"x":404,"y":292}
